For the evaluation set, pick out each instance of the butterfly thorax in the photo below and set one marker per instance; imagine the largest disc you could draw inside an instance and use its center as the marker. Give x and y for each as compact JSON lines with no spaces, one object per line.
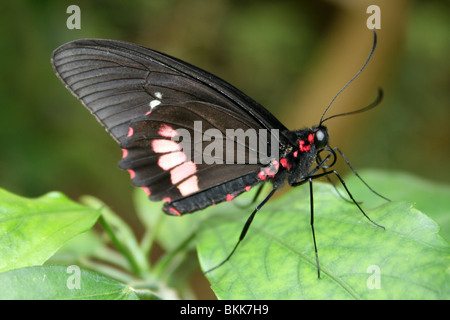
{"x":298,"y":160}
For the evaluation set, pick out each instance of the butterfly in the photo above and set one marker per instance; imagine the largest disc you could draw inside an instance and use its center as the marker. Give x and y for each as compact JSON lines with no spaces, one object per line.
{"x":153,"y":104}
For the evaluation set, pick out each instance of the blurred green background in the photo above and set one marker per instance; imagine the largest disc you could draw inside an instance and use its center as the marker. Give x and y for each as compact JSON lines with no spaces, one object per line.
{"x":291,"y":56}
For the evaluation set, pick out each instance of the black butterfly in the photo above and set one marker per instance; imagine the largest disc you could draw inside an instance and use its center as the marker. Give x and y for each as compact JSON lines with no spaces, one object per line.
{"x":145,"y":99}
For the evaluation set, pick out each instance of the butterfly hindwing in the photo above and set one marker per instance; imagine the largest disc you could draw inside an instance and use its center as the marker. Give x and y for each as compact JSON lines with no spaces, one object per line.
{"x":158,"y":162}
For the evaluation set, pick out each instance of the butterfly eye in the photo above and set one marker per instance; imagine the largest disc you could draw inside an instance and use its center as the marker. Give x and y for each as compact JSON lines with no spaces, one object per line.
{"x":321,"y":137}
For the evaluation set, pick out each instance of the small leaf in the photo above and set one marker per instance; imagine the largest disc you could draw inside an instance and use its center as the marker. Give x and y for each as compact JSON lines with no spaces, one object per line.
{"x":60,"y":283}
{"x":121,"y":235}
{"x":358,"y":260}
{"x":32,"y":230}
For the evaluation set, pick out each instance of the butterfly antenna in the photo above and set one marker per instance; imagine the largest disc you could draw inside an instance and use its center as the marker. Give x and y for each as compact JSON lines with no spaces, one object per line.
{"x":370,"y":106}
{"x":354,"y":77}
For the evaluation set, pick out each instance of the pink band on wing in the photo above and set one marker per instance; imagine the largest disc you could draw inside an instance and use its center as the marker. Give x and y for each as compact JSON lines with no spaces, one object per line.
{"x":167,"y":131}
{"x":170,"y":160}
{"x":164,"y":146}
{"x":182,"y":172}
{"x":189,"y":186}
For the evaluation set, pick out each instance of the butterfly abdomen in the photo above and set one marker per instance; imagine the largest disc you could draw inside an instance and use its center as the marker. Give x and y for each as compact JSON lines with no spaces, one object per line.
{"x":215,"y":195}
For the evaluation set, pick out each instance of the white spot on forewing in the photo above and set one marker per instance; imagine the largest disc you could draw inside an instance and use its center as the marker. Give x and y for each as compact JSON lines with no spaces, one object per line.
{"x":154,"y":103}
{"x":158,"y":95}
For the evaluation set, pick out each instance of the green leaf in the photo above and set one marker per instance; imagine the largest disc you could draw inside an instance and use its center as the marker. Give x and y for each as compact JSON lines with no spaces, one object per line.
{"x":121,"y":235}
{"x":429,"y":197}
{"x":358,"y":260}
{"x":61,"y":283}
{"x":32,"y":230}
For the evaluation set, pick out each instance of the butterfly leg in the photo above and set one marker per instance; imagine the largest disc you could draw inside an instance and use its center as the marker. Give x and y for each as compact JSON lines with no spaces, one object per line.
{"x":311,"y":199}
{"x":320,"y":162}
{"x":326,"y":173}
{"x":311,"y":196}
{"x":359,"y":177}
{"x":244,"y":230}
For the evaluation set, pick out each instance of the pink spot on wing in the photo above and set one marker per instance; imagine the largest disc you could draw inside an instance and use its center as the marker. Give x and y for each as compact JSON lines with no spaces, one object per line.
{"x":130,"y":132}
{"x":189,"y":186}
{"x":247,"y":188}
{"x":164,"y":146}
{"x":270,"y":171}
{"x":295,"y":154}
{"x":166,"y":199}
{"x":275,"y":164}
{"x":230,"y":197}
{"x":132,"y":173}
{"x":125,"y":153}
{"x":170,"y":160}
{"x":262,"y":175}
{"x":167,"y":131}
{"x":175,"y":211}
{"x":147,"y":190}
{"x":182,"y":172}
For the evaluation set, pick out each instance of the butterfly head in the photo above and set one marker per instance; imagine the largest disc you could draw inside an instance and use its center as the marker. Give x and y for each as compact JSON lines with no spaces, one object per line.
{"x":316,"y":138}
{"x":320,"y":137}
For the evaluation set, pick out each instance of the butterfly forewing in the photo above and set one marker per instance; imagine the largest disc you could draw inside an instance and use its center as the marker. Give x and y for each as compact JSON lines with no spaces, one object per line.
{"x":117,"y":81}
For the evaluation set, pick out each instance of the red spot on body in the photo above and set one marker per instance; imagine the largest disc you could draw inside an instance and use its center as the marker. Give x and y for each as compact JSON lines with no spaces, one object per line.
{"x":311,"y":138}
{"x":230,"y":197}
{"x":302,"y":146}
{"x":285,"y":164}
